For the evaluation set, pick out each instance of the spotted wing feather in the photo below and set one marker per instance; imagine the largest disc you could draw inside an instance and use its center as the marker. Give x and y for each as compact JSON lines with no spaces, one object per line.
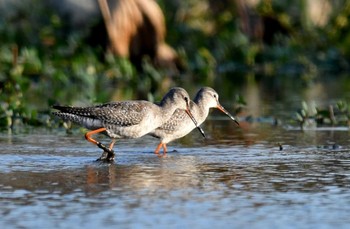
{"x":173,"y":123}
{"x":126,"y":113}
{"x":121,"y":113}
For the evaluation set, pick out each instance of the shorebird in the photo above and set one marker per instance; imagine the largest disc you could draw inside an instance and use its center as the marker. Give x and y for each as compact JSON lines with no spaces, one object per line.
{"x":126,"y":119}
{"x":180,"y":125}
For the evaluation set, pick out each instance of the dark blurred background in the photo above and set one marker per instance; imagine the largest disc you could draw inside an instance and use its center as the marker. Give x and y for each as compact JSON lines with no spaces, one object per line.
{"x":81,"y":52}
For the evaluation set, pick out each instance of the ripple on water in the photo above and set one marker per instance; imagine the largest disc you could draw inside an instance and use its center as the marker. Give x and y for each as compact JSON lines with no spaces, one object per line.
{"x":204,"y":185}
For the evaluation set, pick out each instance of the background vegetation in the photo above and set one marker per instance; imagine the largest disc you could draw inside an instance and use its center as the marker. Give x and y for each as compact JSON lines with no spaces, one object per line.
{"x":43,"y":61}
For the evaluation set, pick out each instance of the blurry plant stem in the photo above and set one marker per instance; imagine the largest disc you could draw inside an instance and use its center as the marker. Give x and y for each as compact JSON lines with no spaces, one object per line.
{"x":331,"y":115}
{"x":14,"y":55}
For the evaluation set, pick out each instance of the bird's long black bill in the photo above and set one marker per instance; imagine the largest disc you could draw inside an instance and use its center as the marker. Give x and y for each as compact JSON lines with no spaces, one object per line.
{"x":195,"y":123}
{"x":221,"y":108}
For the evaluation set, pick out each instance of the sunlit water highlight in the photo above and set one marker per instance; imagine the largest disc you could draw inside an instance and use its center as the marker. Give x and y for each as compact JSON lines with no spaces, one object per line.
{"x":237,"y":178}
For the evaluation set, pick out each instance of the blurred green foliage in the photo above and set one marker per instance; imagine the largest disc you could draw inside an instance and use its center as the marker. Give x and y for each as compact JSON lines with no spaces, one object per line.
{"x":42,"y":64}
{"x":311,"y":116}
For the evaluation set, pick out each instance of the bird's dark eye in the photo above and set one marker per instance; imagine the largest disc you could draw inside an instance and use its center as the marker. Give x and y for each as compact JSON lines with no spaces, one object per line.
{"x":186,"y":99}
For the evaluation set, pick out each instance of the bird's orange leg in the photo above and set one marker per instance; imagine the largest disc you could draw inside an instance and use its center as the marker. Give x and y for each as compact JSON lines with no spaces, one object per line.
{"x":158,"y":148}
{"x":165,"y":150}
{"x":110,"y":153}
{"x":112,"y":144}
{"x":161,"y":145}
{"x":88,"y":135}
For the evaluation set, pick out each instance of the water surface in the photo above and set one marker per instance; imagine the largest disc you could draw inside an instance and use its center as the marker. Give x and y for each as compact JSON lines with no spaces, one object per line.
{"x":236,"y":178}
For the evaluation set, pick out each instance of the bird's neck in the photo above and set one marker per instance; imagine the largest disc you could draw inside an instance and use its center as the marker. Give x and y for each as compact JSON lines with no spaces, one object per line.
{"x":202,"y":110}
{"x":168,"y":108}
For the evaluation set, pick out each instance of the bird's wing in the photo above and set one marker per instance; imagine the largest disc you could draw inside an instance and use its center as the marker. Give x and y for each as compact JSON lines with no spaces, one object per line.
{"x":125,"y":113}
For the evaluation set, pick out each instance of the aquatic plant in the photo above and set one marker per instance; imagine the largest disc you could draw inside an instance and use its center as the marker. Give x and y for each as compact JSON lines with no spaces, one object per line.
{"x":43,"y":63}
{"x":311,"y":116}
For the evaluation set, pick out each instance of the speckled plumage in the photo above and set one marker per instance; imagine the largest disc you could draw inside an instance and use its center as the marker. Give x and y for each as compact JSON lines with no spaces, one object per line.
{"x":180,"y":124}
{"x":126,"y":119}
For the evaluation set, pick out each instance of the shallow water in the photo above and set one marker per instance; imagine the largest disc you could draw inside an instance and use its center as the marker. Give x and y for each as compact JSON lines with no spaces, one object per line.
{"x":237,"y":178}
